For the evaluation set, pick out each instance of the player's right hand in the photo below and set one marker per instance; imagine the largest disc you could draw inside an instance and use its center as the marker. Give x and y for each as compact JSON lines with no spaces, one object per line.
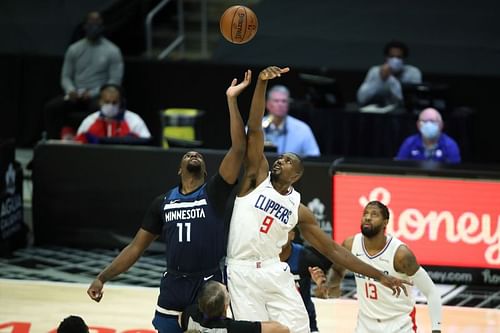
{"x":95,"y":290}
{"x":395,"y":284}
{"x":272,"y":72}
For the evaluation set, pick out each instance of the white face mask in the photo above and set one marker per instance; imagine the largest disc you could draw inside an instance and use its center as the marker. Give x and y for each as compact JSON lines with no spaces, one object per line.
{"x":396,"y":64}
{"x":110,"y":110}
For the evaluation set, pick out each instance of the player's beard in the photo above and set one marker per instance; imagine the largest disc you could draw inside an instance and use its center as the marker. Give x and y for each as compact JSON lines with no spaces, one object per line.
{"x":194,"y":168}
{"x":370,"y":231}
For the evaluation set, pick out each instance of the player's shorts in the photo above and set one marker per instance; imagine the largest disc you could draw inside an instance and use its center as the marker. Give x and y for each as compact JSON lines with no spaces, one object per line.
{"x":179,"y":290}
{"x":265,"y":290}
{"x":401,"y":324}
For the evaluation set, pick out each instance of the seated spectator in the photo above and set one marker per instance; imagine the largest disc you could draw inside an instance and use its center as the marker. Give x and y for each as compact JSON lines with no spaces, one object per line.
{"x":113,"y":120}
{"x":73,"y":324}
{"x":209,"y":315}
{"x":89,"y":63}
{"x":382,"y":84}
{"x":286,"y":133}
{"x":430,"y":143}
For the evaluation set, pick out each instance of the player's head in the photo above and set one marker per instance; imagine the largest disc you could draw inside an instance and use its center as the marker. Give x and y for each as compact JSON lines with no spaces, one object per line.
{"x":278,"y":99}
{"x":375,"y":218}
{"x":73,"y":324}
{"x":193,"y":164}
{"x":288,"y":168}
{"x":213,"y":300}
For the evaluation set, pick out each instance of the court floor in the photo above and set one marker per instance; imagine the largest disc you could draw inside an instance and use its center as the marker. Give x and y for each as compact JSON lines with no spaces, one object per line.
{"x":38,"y":307}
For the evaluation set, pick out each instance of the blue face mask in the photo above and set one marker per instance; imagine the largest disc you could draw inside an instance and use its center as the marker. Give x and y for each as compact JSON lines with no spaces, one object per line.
{"x":429,"y":130}
{"x":396,"y":64}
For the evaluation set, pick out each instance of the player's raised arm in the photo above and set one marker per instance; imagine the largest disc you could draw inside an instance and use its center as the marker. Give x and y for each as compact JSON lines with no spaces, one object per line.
{"x":256,"y":166}
{"x":229,"y":168}
{"x":337,"y":254}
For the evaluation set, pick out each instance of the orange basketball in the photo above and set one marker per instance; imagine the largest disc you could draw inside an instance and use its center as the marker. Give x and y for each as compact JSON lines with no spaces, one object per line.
{"x":238,"y":24}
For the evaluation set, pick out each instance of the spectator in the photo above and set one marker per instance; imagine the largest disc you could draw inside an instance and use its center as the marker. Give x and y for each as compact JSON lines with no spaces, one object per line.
{"x":89,"y":63}
{"x":73,"y":324}
{"x":286,"y":133}
{"x":113,"y":120}
{"x":430,"y":144}
{"x":209,"y":315}
{"x":383,"y":83}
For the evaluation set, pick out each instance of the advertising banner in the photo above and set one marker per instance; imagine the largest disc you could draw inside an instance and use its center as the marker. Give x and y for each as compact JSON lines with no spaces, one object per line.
{"x":445,"y":221}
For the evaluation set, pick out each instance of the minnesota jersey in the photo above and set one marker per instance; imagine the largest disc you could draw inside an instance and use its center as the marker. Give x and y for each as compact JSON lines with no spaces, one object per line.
{"x":261,"y":221}
{"x":375,"y":300}
{"x":192,"y":231}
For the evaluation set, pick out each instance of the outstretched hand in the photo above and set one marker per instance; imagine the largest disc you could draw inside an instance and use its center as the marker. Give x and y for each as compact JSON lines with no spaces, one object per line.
{"x":235,"y":89}
{"x":272,"y":72}
{"x":395,"y":284}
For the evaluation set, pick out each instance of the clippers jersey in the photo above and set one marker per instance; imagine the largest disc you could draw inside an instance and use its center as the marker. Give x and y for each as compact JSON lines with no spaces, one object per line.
{"x":261,"y":221}
{"x":376,"y":301}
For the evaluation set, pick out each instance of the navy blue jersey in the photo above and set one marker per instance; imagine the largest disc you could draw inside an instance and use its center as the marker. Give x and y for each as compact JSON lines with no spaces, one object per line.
{"x":192,"y":225}
{"x":194,"y":232}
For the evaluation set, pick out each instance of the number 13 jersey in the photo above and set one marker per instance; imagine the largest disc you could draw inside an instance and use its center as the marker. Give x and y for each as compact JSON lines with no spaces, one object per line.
{"x":261,"y":221}
{"x":376,"y":301}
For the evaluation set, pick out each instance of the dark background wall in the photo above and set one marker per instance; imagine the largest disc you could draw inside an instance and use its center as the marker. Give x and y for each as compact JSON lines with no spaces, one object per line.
{"x":456,"y":43}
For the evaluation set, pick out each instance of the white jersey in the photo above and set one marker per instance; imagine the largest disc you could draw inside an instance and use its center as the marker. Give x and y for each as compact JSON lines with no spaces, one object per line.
{"x":376,"y":301}
{"x":261,"y":221}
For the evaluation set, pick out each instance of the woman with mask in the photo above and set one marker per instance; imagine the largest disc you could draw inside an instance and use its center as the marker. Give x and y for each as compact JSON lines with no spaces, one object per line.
{"x":430,"y":143}
{"x":382,"y":85}
{"x":112,"y":120}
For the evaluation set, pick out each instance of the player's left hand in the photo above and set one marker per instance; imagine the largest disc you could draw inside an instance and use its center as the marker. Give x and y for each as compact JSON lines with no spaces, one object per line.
{"x":272,"y":72}
{"x":395,"y":284}
{"x":235,"y":89}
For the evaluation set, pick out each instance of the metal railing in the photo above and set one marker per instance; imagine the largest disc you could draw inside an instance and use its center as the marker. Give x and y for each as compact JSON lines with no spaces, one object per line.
{"x":178,"y":41}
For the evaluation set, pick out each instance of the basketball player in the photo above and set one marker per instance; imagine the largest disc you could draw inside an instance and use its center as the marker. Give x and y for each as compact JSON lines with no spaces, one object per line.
{"x":190,"y":217}
{"x":378,"y":311}
{"x":265,"y":210}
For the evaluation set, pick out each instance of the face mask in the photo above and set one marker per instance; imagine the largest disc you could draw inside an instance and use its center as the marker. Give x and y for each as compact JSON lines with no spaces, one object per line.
{"x":110,"y":110}
{"x":93,"y":31}
{"x":395,"y":63}
{"x":429,"y":130}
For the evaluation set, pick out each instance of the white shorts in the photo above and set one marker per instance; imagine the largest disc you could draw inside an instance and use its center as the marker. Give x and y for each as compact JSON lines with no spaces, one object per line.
{"x":401,"y":324}
{"x":265,"y":290}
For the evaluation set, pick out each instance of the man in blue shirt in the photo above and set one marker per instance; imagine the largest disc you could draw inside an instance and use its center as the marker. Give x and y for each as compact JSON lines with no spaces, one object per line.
{"x":286,"y":133}
{"x":190,"y":219}
{"x":430,"y":143}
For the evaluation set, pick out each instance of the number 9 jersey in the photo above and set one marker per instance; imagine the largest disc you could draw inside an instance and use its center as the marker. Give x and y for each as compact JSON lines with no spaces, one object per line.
{"x":261,"y":221}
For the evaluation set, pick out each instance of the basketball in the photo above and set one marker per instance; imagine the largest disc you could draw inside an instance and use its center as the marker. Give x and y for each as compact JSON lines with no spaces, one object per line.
{"x":238,"y":24}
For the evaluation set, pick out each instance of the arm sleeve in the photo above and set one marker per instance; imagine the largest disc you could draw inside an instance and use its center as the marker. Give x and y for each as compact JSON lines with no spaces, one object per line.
{"x":219,"y":192}
{"x":370,"y":86}
{"x":424,"y":283}
{"x":453,"y":152}
{"x":115,"y":67}
{"x":67,"y":71}
{"x":413,"y":75}
{"x":404,"y":150}
{"x":152,"y":220}
{"x":310,"y":145}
